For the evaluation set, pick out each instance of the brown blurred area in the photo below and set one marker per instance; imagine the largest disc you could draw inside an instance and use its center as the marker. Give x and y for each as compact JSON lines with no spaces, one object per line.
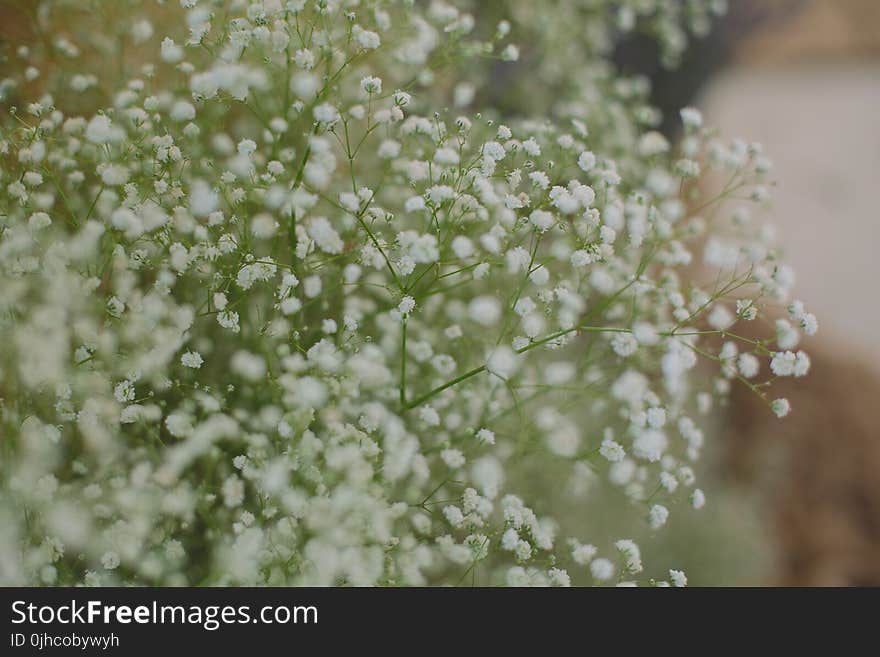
{"x":16,"y":20}
{"x":818,"y":471}
{"x":808,"y":87}
{"x":817,"y":31}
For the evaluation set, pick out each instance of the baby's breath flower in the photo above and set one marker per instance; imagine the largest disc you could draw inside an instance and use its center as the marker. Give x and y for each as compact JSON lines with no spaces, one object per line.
{"x":407,"y":305}
{"x":691,"y":118}
{"x":602,"y":569}
{"x":586,"y":161}
{"x":510,"y":53}
{"x":678,"y":578}
{"x":657,"y":516}
{"x":371,"y":85}
{"x":192,"y":359}
{"x":780,"y":407}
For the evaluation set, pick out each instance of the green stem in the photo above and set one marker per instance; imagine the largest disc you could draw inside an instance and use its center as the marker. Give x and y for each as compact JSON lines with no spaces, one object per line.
{"x":403,"y":366}
{"x":482,"y":368}
{"x":463,"y":377}
{"x":94,"y":203}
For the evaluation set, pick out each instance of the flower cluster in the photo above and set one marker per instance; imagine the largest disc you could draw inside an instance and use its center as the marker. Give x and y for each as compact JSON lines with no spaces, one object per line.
{"x":273,"y":313}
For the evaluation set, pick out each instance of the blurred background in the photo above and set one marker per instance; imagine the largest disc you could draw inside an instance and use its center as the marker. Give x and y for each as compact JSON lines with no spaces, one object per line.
{"x":808,"y":88}
{"x":803,"y":78}
{"x":793,"y":502}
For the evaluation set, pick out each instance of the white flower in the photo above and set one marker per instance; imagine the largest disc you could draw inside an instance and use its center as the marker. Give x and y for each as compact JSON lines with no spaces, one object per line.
{"x":114,"y":175}
{"x":233,"y":491}
{"x":692,"y":118}
{"x":446,"y":156}
{"x":486,"y":436}
{"x":485,"y":310}
{"x":406,"y":305}
{"x":101,"y":130}
{"x":453,"y":458}
{"x":809,"y":324}
{"x":650,"y":445}
{"x":542,"y":220}
{"x":748,"y":365}
{"x":228,"y":320}
{"x":657,"y":516}
{"x":247,"y":365}
{"x":582,"y":554}
{"x":645,"y":333}
{"x":801,"y":364}
{"x":453,"y":515}
{"x":780,"y":407}
{"x":787,"y":336}
{"x":124,"y":391}
{"x":32,"y":179}
{"x":39,"y":221}
{"x":290,"y":306}
{"x":246,"y":147}
{"x":204,"y":85}
{"x":631,"y":554}
{"x":678,"y":578}
{"x":203,"y":200}
{"x":653,"y":143}
{"x":790,"y":364}
{"x":656,"y":417}
{"x":624,"y":344}
{"x":669,"y":482}
{"x":602,"y":569}
{"x":110,"y":560}
{"x":366,"y":39}
{"x":304,"y":58}
{"x":502,"y":362}
{"x":612,"y":451}
{"x":327,"y":114}
{"x":388,"y":150}
{"x":182,"y":111}
{"x":191,"y":359}
{"x":170,"y":52}
{"x":586,"y":161}
{"x":325,"y":236}
{"x":371,"y":85}
{"x":746,"y":309}
{"x":558,"y":577}
{"x":531,"y":147}
{"x":401,"y":98}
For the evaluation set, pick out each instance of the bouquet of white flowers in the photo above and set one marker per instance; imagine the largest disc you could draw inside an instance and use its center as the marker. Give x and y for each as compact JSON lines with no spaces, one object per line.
{"x":290,"y":290}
